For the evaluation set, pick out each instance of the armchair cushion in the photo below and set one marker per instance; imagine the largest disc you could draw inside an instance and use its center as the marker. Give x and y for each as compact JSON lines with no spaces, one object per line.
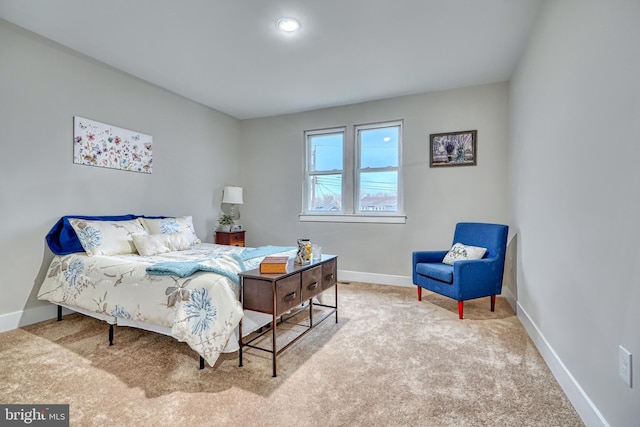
{"x":461,"y":252}
{"x":438,"y":271}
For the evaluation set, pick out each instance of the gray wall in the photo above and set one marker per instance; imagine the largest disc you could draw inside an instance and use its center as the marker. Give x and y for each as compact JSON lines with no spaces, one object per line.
{"x":574,"y":191}
{"x":42,"y":86}
{"x":557,"y":161}
{"x":435,"y":198}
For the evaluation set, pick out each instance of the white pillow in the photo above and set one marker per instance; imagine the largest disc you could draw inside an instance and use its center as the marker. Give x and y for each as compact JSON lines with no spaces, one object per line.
{"x":170,"y":226}
{"x":152,"y":244}
{"x":460,"y":252}
{"x":107,"y":237}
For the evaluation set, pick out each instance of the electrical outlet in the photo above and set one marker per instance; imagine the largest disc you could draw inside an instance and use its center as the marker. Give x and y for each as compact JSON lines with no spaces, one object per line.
{"x":624,"y":365}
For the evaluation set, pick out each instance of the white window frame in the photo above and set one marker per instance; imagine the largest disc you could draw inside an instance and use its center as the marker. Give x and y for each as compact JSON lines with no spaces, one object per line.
{"x":358,"y":168}
{"x":350,"y":179}
{"x":308,"y":174}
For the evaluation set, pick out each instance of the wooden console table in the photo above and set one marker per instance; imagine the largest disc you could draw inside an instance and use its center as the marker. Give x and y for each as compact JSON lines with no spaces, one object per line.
{"x":275,"y":294}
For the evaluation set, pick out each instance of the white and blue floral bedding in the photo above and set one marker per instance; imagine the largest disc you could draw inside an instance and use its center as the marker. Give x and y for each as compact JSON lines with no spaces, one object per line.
{"x":201,"y":309}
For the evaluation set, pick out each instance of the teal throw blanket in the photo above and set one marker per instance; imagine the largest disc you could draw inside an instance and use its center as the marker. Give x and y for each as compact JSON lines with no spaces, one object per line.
{"x":186,"y":269}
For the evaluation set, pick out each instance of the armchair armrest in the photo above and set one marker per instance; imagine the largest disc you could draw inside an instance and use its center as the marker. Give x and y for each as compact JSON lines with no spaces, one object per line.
{"x":428,"y":256}
{"x":481,"y":277}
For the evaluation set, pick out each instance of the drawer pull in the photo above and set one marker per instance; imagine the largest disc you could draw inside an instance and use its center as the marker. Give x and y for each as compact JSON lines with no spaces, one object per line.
{"x":328,"y":276}
{"x":289,"y":297}
{"x":312,"y":286}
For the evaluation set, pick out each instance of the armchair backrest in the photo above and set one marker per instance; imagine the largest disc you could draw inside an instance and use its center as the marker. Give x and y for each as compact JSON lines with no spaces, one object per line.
{"x":490,"y":236}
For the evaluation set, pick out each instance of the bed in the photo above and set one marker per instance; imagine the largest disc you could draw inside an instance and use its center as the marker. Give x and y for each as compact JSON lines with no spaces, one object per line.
{"x":153,"y":273}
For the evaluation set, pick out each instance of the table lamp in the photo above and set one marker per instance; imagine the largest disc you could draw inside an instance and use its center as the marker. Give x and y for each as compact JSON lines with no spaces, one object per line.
{"x":233,"y":197}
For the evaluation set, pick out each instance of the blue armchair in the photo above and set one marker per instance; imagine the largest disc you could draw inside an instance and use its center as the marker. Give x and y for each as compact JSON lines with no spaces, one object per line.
{"x":465,"y":279}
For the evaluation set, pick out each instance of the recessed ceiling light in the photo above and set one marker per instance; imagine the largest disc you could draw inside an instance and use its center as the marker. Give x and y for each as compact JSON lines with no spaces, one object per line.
{"x":288,"y":25}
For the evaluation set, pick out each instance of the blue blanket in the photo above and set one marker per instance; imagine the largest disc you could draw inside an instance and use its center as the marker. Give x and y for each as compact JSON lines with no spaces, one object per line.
{"x":246,"y":260}
{"x":186,"y":269}
{"x":250,"y":257}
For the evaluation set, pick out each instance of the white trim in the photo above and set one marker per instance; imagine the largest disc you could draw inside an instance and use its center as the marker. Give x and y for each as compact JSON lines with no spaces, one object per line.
{"x":378,"y":219}
{"x":358,"y":170}
{"x":508,"y":295}
{"x":589,"y":413}
{"x":28,"y":316}
{"x":380,"y":279}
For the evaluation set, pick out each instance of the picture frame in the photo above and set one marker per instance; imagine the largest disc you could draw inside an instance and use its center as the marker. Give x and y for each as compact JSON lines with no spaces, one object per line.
{"x":453,"y":148}
{"x":107,"y":146}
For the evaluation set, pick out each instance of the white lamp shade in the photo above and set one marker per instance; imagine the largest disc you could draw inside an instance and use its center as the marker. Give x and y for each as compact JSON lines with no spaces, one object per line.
{"x":232,"y":195}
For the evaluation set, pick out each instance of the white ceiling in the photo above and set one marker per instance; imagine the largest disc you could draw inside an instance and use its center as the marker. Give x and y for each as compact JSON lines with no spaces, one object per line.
{"x":228,"y":54}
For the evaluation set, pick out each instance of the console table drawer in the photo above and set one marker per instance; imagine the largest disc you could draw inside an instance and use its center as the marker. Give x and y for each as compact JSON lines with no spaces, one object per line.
{"x":329,"y":273}
{"x":311,"y":282}
{"x":287,"y":293}
{"x":258,"y":295}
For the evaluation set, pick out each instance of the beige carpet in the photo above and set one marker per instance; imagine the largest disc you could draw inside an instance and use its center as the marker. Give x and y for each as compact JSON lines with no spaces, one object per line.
{"x":389,"y":361}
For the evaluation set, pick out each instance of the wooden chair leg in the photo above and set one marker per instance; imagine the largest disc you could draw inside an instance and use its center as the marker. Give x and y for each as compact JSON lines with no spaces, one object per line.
{"x":493,"y":303}
{"x":460,"y":308}
{"x":419,"y":293}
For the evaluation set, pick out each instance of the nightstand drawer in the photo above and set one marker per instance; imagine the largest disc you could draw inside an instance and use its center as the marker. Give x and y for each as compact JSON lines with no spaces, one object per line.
{"x":237,"y":237}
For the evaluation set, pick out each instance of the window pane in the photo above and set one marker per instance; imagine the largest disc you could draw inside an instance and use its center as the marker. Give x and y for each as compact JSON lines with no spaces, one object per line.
{"x":379,"y":191}
{"x":325,"y":193}
{"x":325,"y":152}
{"x":379,"y":147}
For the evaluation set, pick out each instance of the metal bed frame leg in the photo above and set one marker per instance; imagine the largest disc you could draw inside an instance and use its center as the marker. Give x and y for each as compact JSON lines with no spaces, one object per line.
{"x":111,"y":330}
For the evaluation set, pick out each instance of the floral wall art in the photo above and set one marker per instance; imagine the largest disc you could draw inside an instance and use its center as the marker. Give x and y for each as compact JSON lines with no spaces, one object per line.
{"x":107,"y":146}
{"x":453,"y":148}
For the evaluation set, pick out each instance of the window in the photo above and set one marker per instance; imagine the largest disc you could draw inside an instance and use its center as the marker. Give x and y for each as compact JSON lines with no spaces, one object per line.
{"x":325,"y":172}
{"x":378,"y":167}
{"x":356,"y":176}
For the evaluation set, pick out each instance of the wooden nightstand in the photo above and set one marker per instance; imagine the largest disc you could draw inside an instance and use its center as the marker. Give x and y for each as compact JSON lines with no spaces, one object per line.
{"x":233,"y":238}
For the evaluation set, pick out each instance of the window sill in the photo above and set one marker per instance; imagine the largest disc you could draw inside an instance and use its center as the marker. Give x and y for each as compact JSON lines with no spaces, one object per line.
{"x":372,"y":219}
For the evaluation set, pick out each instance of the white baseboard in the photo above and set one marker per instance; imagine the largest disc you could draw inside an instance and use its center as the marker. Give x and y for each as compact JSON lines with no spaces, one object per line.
{"x":29,"y":316}
{"x":589,"y":413}
{"x":386,"y":279}
{"x":508,"y":295}
{"x":380,"y":279}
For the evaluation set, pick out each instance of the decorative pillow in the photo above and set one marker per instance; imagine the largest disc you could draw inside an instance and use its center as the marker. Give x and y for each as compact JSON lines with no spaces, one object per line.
{"x":171,"y":225}
{"x":460,"y":252}
{"x":107,"y":237}
{"x":62,"y":238}
{"x":153,"y":244}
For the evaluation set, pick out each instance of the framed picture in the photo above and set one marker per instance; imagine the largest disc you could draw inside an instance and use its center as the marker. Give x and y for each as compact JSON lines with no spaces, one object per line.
{"x":107,"y":146}
{"x":453,"y":148}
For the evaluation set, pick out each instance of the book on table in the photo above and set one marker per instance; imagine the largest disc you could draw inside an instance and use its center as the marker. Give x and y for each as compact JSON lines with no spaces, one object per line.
{"x":274,"y":264}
